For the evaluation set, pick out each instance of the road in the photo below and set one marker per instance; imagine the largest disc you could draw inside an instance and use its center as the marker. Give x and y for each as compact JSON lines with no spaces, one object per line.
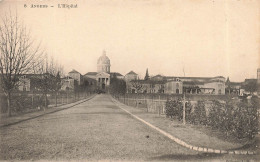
{"x":94,"y":130}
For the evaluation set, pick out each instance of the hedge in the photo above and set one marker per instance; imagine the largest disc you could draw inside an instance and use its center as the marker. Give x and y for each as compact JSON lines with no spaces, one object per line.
{"x":237,"y":118}
{"x":174,"y":108}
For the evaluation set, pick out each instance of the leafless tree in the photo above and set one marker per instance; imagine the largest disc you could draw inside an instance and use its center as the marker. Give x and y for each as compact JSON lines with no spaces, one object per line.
{"x":55,"y":70}
{"x":17,"y":53}
{"x":137,"y":85}
{"x":49,"y":71}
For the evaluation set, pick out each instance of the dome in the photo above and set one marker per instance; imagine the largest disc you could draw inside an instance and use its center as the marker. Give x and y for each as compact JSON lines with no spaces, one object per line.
{"x":103,"y":59}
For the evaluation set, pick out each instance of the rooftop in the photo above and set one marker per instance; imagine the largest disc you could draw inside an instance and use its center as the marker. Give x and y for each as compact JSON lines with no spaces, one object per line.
{"x":74,"y":71}
{"x":116,"y":73}
{"x":91,"y":73}
{"x":131,"y":72}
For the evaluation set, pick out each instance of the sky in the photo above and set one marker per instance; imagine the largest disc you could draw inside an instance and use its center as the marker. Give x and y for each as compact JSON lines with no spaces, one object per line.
{"x":203,"y":38}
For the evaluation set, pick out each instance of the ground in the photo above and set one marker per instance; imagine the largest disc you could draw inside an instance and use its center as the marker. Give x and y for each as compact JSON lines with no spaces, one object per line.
{"x":94,"y":130}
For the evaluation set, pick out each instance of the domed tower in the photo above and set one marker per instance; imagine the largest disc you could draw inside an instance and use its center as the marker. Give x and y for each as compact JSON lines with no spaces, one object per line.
{"x":103,"y":63}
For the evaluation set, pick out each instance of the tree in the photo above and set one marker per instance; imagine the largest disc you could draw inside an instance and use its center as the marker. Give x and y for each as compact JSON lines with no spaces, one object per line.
{"x":228,"y":86}
{"x":137,"y":85}
{"x":49,"y":78}
{"x":17,"y":53}
{"x":147,"y":77}
{"x":251,"y":85}
{"x":55,"y":70}
{"x":117,"y":86}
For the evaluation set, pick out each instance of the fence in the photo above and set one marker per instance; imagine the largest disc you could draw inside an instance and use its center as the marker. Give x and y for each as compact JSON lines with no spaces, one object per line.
{"x":155,"y":103}
{"x":235,"y":116}
{"x":23,"y":102}
{"x":152,"y":105}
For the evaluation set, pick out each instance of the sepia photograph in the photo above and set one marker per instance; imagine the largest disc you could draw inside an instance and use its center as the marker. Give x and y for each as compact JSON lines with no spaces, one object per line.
{"x":129,"y":80}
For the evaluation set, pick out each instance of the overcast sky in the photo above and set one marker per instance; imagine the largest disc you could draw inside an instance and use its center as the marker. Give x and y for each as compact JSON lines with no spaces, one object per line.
{"x":199,"y":37}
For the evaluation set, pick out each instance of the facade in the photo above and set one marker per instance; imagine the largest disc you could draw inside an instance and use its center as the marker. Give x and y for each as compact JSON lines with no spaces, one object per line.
{"x":145,"y":86}
{"x":131,"y":76}
{"x":68,"y":84}
{"x":103,"y":80}
{"x":24,"y":84}
{"x":103,"y":70}
{"x":234,"y":87}
{"x":103,"y":74}
{"x":203,"y":85}
{"x":33,"y":82}
{"x":173,"y":87}
{"x":178,"y":85}
{"x":76,"y":75}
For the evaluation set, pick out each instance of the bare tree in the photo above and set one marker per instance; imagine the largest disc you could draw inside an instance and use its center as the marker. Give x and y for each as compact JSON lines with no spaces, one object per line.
{"x":49,"y":78}
{"x":17,"y":53}
{"x":137,"y":85}
{"x":55,"y":70}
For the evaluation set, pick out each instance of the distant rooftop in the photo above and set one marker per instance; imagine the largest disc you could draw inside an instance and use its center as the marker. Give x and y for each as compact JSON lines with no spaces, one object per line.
{"x":131,"y":72}
{"x":116,"y":73}
{"x":91,"y":73}
{"x":74,"y":71}
{"x":204,"y":78}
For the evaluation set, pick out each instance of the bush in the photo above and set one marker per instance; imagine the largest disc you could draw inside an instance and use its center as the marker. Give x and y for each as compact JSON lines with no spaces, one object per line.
{"x":239,"y":119}
{"x":198,"y":116}
{"x":215,"y":114}
{"x":246,"y":123}
{"x":174,"y":108}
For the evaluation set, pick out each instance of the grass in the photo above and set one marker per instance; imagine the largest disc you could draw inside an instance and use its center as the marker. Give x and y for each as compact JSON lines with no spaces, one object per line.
{"x":197,"y":135}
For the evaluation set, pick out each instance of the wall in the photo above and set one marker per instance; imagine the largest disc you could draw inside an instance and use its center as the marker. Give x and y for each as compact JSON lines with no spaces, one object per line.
{"x":76,"y":76}
{"x":218,"y":86}
{"x":24,"y":84}
{"x":170,"y":87}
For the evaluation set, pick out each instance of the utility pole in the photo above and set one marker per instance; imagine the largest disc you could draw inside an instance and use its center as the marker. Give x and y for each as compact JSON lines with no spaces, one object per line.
{"x":183,"y":102}
{"x":184,"y":108}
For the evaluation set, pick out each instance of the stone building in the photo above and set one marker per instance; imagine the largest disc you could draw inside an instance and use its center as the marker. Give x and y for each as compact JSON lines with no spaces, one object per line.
{"x":68,"y":84}
{"x":179,"y":85}
{"x":174,"y":86}
{"x":103,"y":74}
{"x":204,"y":85}
{"x":131,"y":76}
{"x":234,"y":88}
{"x":77,"y":76}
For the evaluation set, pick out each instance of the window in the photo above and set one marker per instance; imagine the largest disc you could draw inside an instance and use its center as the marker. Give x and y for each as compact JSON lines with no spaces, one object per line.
{"x":219,"y":91}
{"x":177,"y":85}
{"x":177,"y":91}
